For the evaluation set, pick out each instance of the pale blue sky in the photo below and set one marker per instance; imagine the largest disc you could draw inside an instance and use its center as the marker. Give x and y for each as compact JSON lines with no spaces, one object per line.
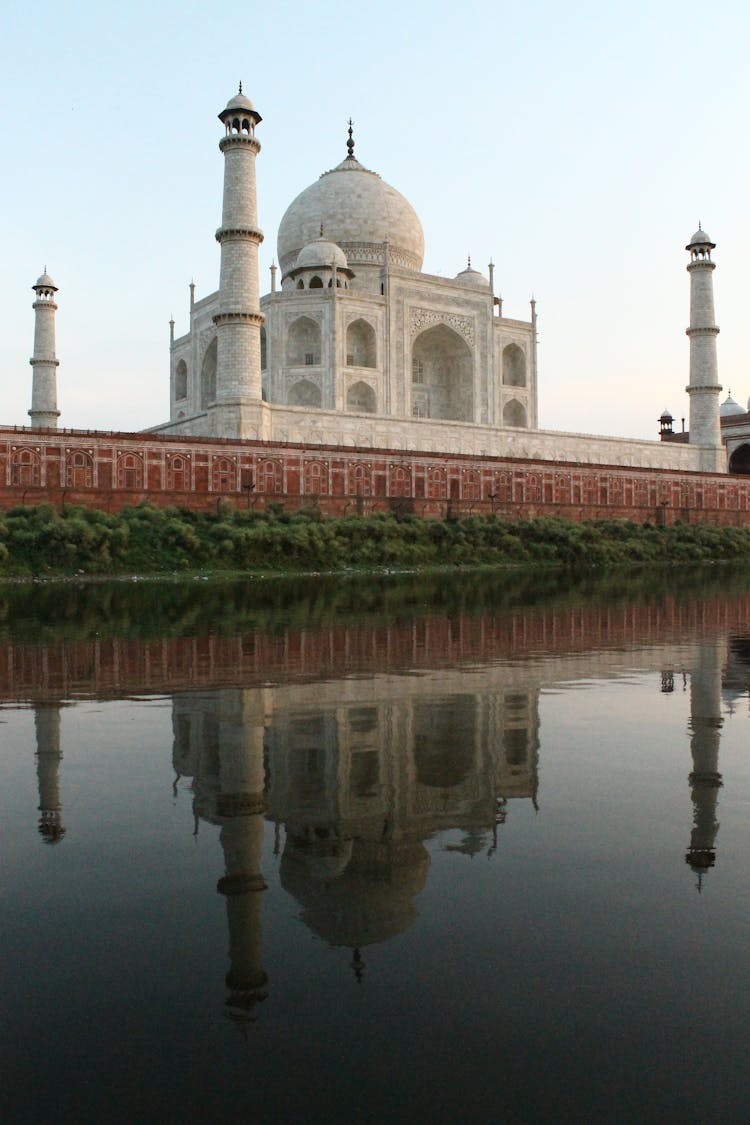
{"x":576,"y":144}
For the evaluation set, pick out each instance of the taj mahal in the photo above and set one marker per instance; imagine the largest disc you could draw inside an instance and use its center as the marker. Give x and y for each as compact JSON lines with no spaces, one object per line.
{"x":355,"y":348}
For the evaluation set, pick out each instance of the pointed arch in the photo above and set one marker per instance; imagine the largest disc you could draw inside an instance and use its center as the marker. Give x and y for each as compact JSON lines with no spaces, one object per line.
{"x":25,"y":468}
{"x":514,"y":366}
{"x":360,"y":399}
{"x":208,"y":374}
{"x":303,"y":343}
{"x":514,"y":414}
{"x":442,"y":375}
{"x":180,"y":380}
{"x":739,"y":462}
{"x":304,"y":393}
{"x":361,"y":345}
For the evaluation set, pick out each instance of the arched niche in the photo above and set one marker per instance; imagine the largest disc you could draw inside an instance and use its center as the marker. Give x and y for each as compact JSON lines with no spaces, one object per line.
{"x":208,"y":375}
{"x":739,"y":462}
{"x":444,"y":736}
{"x":316,"y":282}
{"x":180,"y":380}
{"x":303,"y":343}
{"x":443,"y":368}
{"x":514,"y":414}
{"x":361,"y":350}
{"x":360,"y":399}
{"x":514,"y":366}
{"x":263,"y":349}
{"x":304,"y":393}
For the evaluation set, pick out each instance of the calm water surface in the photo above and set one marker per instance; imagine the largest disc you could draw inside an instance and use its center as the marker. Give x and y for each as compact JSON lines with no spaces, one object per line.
{"x":434,"y":851}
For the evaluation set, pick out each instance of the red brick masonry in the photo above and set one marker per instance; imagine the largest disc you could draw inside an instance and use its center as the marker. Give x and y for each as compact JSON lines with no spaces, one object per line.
{"x":113,"y":470}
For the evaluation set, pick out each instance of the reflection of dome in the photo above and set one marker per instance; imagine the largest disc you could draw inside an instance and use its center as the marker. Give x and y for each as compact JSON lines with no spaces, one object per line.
{"x":359,"y":211}
{"x":321,"y":252}
{"x":370,"y":901}
{"x":730,"y":407}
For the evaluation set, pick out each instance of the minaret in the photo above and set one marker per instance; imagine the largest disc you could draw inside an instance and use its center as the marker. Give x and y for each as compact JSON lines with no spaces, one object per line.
{"x":705,"y":735}
{"x":240,"y":806}
{"x":48,"y":758}
{"x":44,"y":412}
{"x":704,"y":388}
{"x":235,"y":412}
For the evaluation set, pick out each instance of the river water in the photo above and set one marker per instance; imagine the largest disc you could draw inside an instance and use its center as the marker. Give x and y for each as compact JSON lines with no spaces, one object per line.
{"x":362,"y":850}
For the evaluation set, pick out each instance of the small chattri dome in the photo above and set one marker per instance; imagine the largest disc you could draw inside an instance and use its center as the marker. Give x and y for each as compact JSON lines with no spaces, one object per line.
{"x":666,"y":415}
{"x":44,"y":282}
{"x":473,"y":277}
{"x":729,"y":407}
{"x":321,"y":253}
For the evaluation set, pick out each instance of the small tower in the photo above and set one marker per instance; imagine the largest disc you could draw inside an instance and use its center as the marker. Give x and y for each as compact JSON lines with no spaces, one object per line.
{"x":48,"y":758}
{"x":240,"y":806}
{"x":44,"y":412}
{"x":705,"y":736}
{"x":239,"y":319}
{"x":704,"y":388}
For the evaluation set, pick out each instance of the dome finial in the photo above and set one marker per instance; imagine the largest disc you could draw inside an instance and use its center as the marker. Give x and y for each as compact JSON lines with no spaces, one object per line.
{"x":240,"y":89}
{"x":350,"y":142}
{"x":321,"y":230}
{"x":468,"y":261}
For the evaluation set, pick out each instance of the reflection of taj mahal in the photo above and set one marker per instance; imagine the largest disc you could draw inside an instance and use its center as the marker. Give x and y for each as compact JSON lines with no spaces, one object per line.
{"x":362,"y":773}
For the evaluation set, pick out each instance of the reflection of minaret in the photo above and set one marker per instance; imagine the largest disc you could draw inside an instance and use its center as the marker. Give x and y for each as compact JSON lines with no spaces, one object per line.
{"x":705,"y":734}
{"x":48,"y":758}
{"x":240,"y":806}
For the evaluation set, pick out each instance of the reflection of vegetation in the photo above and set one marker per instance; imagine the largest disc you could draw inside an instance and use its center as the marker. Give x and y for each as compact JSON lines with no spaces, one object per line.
{"x":42,"y":612}
{"x":147,"y":540}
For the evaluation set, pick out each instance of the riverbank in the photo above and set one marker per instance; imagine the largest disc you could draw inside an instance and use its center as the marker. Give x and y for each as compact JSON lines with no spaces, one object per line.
{"x":44,"y":542}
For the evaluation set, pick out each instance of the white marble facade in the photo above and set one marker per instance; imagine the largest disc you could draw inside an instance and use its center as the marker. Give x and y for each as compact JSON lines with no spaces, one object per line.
{"x":358,"y":347}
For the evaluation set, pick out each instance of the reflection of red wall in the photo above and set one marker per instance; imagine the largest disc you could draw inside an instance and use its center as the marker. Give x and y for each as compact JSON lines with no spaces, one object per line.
{"x":114,"y":668}
{"x":325,"y":476}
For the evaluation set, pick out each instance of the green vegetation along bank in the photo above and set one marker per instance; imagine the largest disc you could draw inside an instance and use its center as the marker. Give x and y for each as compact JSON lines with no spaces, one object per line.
{"x":41,"y":541}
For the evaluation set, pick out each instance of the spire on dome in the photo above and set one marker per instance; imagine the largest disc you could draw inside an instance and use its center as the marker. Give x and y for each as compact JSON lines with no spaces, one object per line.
{"x":350,"y":142}
{"x":240,"y":89}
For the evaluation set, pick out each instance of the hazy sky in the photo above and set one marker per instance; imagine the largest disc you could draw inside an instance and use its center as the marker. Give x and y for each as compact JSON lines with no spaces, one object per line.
{"x":576,"y":144}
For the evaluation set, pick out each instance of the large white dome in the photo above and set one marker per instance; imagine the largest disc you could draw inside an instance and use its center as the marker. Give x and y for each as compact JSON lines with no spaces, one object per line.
{"x":357,"y":210}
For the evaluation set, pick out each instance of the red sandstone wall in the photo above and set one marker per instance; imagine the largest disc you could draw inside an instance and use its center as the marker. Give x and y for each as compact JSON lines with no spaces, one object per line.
{"x":113,"y":470}
{"x":114,"y":667}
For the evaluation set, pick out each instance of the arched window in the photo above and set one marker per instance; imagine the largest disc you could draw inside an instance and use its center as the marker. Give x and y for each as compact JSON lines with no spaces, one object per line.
{"x":437,"y":484}
{"x":471,"y":486}
{"x":129,"y":471}
{"x":269,"y":477}
{"x":79,"y":470}
{"x":300,"y":284}
{"x":360,"y":480}
{"x":514,"y":414}
{"x":361,"y":399}
{"x":514,"y":366}
{"x":303,"y":343}
{"x":399,"y":480}
{"x":361,"y":348}
{"x":180,"y":380}
{"x":443,"y":366}
{"x":178,"y":473}
{"x":304,"y":393}
{"x":25,"y":468}
{"x":223,"y":474}
{"x":739,"y":462}
{"x":316,"y":478}
{"x":316,"y":283}
{"x":263,"y":350}
{"x":208,"y":375}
